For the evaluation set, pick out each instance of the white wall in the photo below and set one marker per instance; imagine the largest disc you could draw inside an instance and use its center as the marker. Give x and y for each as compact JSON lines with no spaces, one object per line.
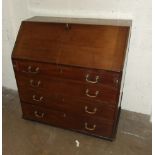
{"x":137,"y":89}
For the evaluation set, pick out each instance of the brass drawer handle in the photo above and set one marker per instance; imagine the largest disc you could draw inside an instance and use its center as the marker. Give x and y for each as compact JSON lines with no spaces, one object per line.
{"x":87,"y":93}
{"x":96,"y":79}
{"x":29,"y":70}
{"x":90,"y":112}
{"x":35,"y":84}
{"x":38,"y":100}
{"x":41,"y":115}
{"x":88,"y":128}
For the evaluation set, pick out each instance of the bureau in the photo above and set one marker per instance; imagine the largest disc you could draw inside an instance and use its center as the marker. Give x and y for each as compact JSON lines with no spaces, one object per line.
{"x":69,"y":73}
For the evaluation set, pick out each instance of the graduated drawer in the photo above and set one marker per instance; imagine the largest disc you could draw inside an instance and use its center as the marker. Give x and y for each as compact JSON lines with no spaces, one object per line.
{"x":94,"y":126}
{"x":91,"y":76}
{"x":68,"y":103}
{"x":69,"y":88}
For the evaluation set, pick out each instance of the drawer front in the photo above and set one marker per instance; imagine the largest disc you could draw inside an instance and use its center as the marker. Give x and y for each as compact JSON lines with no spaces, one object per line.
{"x":68,"y":103}
{"x":69,"y":88}
{"x":98,"y":127}
{"x":90,"y":76}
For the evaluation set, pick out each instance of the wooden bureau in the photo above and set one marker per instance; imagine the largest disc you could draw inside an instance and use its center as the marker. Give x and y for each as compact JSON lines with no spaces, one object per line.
{"x":69,"y":73}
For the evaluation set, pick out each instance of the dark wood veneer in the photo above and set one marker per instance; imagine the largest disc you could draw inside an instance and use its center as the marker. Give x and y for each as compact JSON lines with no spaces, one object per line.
{"x":67,"y":120}
{"x":92,"y":46}
{"x":69,"y":75}
{"x":68,"y":72}
{"x":68,"y":103}
{"x":66,"y":87}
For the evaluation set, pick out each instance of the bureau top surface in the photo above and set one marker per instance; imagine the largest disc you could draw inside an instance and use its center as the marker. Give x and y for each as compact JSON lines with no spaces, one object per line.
{"x":70,"y":43}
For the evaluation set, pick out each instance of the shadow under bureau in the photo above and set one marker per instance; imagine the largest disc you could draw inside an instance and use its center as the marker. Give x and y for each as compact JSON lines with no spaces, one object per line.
{"x":69,"y":73}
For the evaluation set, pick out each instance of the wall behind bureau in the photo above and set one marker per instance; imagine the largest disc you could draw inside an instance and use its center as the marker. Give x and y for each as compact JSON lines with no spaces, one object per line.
{"x":137,"y":88}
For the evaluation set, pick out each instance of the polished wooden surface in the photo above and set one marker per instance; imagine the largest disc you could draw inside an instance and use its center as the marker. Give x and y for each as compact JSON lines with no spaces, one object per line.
{"x":71,"y":88}
{"x":92,"y":21}
{"x":92,"y":46}
{"x":94,"y":126}
{"x":70,"y":104}
{"x":69,"y":75}
{"x":89,"y":76}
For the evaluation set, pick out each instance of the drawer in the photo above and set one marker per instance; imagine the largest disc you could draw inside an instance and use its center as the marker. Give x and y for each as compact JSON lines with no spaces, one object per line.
{"x":68,"y":104}
{"x":69,"y":88}
{"x":98,"y":127}
{"x":91,"y":76}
